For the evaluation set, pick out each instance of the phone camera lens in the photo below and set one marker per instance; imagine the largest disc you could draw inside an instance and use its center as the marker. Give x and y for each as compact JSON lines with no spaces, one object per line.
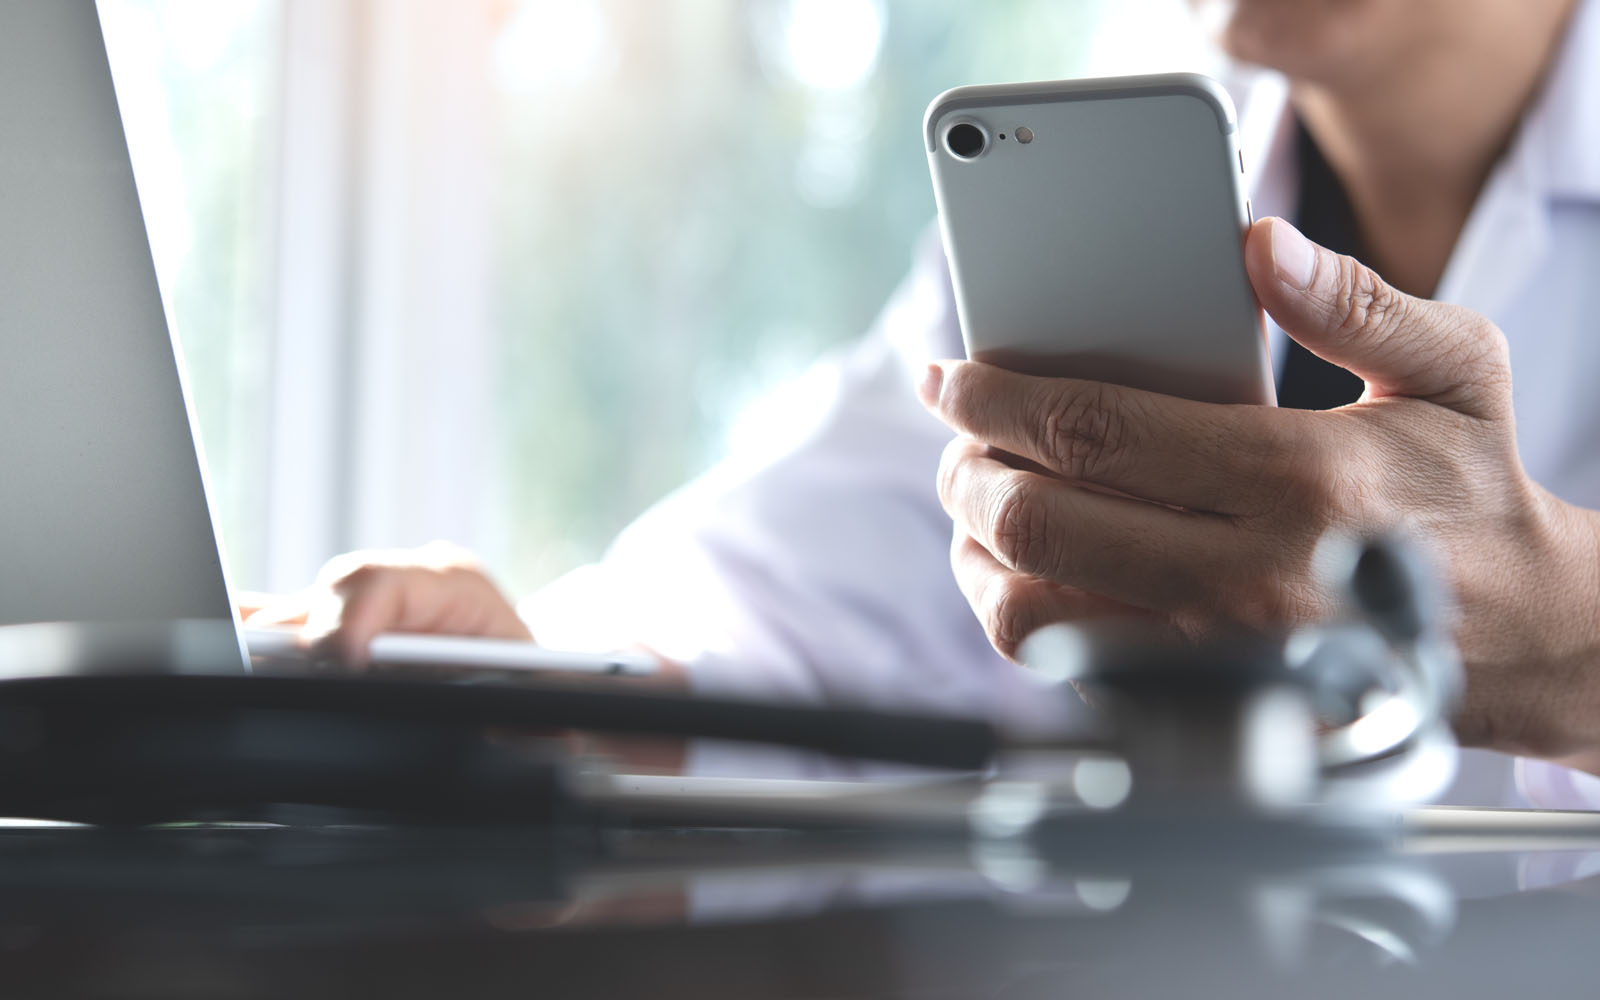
{"x":965,"y":140}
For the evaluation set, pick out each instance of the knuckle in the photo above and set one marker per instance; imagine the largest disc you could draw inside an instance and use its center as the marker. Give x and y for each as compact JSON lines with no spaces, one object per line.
{"x":1009,"y":616}
{"x":1269,"y":479}
{"x":358,"y":566}
{"x":1287,"y":599}
{"x":955,"y":470}
{"x":463,"y":578}
{"x":1305,"y":478}
{"x":949,"y":471}
{"x":1351,"y":498}
{"x":459,"y":570}
{"x":367,"y":571}
{"x":958,"y":390}
{"x":1081,"y":431}
{"x":1299,"y":482}
{"x":1276,"y":593}
{"x":1021,"y":525}
{"x":1477,"y":332}
{"x":1497,"y":354}
{"x":355,"y":575}
{"x":1365,"y":301}
{"x":1489,"y":360}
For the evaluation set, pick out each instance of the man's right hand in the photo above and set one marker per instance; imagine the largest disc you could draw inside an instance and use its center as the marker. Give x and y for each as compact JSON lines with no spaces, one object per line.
{"x":439,"y":588}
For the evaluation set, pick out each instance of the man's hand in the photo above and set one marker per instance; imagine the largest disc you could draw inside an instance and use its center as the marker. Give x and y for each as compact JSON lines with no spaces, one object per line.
{"x":1232,"y":500}
{"x":438,"y":588}
{"x":442,"y":589}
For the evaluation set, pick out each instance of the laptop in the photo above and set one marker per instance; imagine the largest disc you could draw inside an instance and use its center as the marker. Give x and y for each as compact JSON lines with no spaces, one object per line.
{"x":105,"y":518}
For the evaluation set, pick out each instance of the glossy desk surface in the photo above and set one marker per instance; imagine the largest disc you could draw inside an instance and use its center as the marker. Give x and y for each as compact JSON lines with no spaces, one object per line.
{"x":345,"y":911}
{"x":558,"y":879}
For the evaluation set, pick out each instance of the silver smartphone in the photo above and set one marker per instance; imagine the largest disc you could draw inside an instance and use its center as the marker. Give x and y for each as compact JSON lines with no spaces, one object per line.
{"x":1095,"y":229}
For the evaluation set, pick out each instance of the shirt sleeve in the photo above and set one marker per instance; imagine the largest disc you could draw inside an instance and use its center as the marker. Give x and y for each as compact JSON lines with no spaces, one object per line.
{"x":812,"y":565}
{"x":1550,"y":786}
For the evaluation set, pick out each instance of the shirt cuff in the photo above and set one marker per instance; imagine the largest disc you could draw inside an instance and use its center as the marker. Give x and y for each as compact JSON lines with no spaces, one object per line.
{"x":1551,"y":786}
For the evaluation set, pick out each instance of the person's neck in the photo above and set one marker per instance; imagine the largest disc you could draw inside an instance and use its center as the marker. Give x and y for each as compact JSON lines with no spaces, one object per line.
{"x":1414,"y":147}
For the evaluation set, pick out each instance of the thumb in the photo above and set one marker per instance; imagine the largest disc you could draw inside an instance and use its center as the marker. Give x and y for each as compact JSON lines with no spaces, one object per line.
{"x":1400,"y":345}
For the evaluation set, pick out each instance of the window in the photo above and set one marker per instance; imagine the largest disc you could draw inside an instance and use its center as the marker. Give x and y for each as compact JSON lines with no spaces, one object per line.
{"x":196,"y":81}
{"x":506,"y":271}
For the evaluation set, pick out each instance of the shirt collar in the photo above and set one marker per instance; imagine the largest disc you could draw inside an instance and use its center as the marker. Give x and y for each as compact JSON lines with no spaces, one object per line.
{"x":1563,"y":128}
{"x":1558,"y":146}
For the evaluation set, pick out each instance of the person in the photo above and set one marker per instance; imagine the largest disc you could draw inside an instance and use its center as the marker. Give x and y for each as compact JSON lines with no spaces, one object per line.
{"x":1450,"y":149}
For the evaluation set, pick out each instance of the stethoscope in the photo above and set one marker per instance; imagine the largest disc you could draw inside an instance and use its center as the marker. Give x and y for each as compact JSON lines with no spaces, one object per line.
{"x":1348,"y":715}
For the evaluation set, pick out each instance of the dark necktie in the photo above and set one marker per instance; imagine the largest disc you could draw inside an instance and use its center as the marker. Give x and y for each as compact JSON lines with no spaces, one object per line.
{"x":1325,"y":216}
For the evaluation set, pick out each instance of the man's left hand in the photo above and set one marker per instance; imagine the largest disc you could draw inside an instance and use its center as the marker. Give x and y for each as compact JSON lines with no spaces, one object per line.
{"x":1074,"y":499}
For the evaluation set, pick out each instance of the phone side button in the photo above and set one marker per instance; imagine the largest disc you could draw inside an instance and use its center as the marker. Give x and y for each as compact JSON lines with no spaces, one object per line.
{"x":1250,"y":211}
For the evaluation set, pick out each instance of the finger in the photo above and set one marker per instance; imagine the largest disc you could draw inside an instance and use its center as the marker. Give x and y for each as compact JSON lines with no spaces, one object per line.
{"x":372,"y":599}
{"x":1011,"y":606}
{"x":1343,"y":312}
{"x":248,"y":602}
{"x":271,"y":609}
{"x":361,"y":599}
{"x":1140,"y":554}
{"x":351,"y":611}
{"x":1201,"y":456}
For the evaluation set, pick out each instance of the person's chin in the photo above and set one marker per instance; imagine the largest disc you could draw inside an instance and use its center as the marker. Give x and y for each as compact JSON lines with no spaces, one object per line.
{"x":1286,"y":36}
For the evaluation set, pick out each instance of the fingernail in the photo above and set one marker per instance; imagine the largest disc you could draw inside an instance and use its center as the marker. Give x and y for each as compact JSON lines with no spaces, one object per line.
{"x":1293,"y":256}
{"x":928,"y":388}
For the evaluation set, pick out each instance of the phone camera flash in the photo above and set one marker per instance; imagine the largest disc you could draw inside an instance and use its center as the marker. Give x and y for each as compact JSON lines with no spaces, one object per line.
{"x":1023,"y":134}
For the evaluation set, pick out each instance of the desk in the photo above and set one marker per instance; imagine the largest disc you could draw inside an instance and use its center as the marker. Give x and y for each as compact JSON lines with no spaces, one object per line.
{"x":262,"y":911}
{"x":420,"y":860}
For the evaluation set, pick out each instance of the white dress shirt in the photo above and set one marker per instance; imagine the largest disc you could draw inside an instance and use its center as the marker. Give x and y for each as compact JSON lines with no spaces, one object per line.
{"x":813,"y":563}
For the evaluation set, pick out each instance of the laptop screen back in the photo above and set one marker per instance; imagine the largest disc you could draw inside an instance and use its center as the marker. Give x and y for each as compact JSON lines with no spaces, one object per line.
{"x":103,"y":508}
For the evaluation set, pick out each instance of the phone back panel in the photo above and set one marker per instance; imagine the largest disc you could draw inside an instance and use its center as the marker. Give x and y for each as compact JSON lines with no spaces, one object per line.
{"x":1109,"y":247}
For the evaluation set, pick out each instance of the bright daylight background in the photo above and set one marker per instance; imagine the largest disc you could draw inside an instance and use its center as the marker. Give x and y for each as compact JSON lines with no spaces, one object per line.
{"x":507,"y":271}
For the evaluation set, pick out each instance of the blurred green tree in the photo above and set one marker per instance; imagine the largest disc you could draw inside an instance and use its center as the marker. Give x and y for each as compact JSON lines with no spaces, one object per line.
{"x":701,"y":215}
